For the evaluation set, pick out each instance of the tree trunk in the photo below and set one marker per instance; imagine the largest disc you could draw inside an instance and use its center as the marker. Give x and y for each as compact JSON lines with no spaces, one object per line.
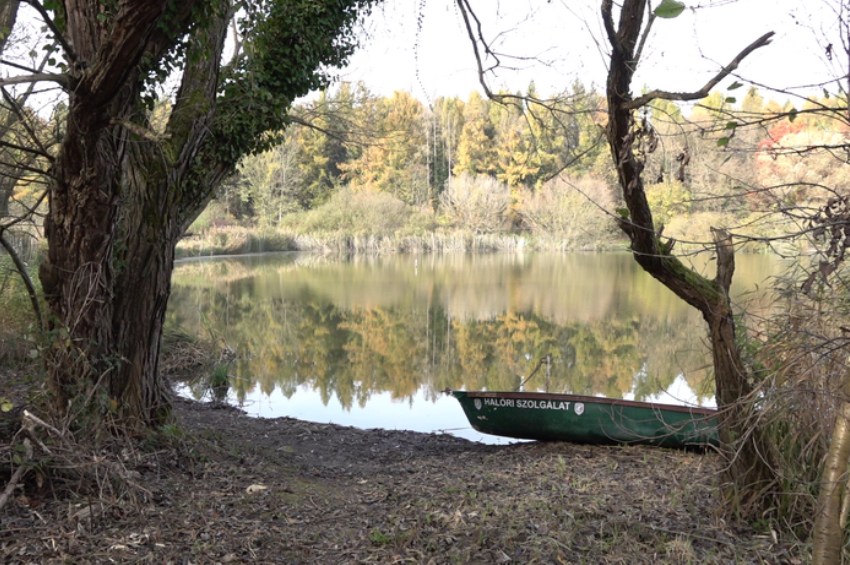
{"x":828,"y":533}
{"x":78,"y":273}
{"x":142,"y":288}
{"x":118,"y":205}
{"x":749,"y":471}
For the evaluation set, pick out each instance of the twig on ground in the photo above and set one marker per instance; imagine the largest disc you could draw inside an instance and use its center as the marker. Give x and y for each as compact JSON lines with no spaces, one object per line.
{"x":16,"y":476}
{"x":35,"y":419}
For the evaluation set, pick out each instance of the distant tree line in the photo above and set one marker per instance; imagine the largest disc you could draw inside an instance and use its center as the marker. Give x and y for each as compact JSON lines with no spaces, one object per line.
{"x":486,"y":167}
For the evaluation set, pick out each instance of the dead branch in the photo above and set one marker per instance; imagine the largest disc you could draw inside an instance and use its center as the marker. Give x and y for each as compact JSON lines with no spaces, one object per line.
{"x":725,"y":257}
{"x":33,"y":419}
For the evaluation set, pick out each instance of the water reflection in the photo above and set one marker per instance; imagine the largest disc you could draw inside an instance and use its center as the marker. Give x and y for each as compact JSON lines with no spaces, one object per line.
{"x":356,"y":335}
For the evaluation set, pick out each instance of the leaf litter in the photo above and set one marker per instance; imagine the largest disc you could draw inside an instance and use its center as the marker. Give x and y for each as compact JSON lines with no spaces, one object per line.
{"x":237,"y":489}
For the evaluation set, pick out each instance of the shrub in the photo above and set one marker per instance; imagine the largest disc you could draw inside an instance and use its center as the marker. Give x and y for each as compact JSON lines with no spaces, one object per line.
{"x":668,"y":200}
{"x":355,"y":213}
{"x":573,"y":210}
{"x":213,"y":214}
{"x":696,"y":228}
{"x":479,"y":204}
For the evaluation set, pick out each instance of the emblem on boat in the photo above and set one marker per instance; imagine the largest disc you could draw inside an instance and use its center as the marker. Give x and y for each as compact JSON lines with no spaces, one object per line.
{"x":579,"y":407}
{"x":478,"y":404}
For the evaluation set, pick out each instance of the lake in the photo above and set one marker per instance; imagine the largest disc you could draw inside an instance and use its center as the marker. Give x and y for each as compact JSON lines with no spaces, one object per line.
{"x":372,"y":341}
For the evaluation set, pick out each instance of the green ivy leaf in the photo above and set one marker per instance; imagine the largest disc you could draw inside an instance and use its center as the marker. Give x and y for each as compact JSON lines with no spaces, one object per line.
{"x":6,"y":405}
{"x":826,"y":94}
{"x":723,"y":142}
{"x":731,"y":125}
{"x":731,"y":100}
{"x":734,"y":85}
{"x":792,"y":115}
{"x":669,"y":9}
{"x":624,"y":212}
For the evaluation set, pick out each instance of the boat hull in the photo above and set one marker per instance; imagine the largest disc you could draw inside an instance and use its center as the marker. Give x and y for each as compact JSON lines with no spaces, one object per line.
{"x":588,"y":419}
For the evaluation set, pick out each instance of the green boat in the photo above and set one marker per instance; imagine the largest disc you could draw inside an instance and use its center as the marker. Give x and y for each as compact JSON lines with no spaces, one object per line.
{"x":588,"y":419}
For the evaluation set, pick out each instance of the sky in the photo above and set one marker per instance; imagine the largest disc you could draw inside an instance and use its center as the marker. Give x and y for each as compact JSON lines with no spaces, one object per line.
{"x":555,"y":42}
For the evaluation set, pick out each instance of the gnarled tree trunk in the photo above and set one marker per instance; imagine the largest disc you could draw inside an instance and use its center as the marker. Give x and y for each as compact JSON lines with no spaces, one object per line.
{"x":118,"y":205}
{"x":749,"y":472}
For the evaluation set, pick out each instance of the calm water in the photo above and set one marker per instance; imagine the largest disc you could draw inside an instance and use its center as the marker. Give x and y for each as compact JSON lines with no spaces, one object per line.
{"x":371,"y":342}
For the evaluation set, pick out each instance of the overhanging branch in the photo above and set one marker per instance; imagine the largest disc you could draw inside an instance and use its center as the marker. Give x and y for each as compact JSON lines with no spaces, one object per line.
{"x":705,"y":90}
{"x":465,"y":11}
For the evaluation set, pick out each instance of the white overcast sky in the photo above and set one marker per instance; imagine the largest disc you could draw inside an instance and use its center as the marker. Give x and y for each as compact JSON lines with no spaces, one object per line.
{"x":565,"y":36}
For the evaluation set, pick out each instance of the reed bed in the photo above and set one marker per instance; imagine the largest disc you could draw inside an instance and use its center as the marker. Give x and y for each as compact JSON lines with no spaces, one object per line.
{"x":234,"y":240}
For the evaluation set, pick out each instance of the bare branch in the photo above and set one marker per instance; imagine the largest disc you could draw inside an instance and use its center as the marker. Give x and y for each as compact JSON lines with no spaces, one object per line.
{"x":16,"y":108}
{"x":475,"y":38}
{"x":48,"y":21}
{"x":308,"y":124}
{"x":63,"y":80}
{"x":645,"y":35}
{"x":705,"y":90}
{"x":29,"y":212}
{"x":18,"y":66}
{"x":610,"y":31}
{"x":464,"y":10}
{"x":26,"y":149}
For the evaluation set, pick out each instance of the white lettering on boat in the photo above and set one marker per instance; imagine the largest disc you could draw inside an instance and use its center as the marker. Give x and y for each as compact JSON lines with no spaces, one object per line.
{"x":504,"y":402}
{"x":529,"y":404}
{"x":543,"y":404}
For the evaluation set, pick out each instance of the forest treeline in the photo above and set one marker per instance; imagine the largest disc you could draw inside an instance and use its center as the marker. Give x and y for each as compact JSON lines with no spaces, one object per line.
{"x":358,"y":164}
{"x":358,"y":170}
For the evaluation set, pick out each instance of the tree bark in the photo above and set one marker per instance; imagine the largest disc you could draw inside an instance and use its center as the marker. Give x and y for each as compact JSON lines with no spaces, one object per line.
{"x":749,"y":471}
{"x":116,"y":211}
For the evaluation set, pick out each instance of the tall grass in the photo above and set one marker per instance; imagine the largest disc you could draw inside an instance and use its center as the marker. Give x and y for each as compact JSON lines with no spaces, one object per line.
{"x":245,"y":240}
{"x":799,"y":360}
{"x":235,"y":240}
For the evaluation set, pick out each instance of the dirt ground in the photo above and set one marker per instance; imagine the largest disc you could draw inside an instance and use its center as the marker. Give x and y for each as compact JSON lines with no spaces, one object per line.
{"x":223,"y":487}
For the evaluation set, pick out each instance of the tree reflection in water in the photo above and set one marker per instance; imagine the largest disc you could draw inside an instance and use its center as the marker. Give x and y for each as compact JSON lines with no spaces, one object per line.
{"x":365,"y":326}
